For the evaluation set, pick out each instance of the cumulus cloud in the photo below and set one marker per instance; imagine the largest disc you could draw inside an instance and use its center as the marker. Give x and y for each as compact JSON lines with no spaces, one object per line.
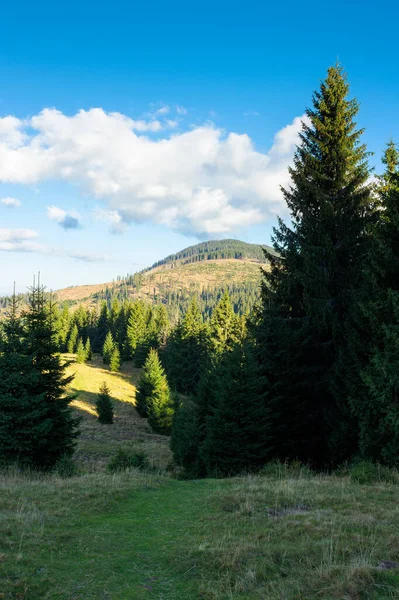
{"x":19,"y":240}
{"x":11,"y":202}
{"x":64,"y":219}
{"x":202,"y":181}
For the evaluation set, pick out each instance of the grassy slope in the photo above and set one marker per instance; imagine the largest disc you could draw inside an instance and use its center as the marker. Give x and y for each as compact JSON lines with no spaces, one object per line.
{"x":138,"y":536}
{"x":195,"y":276}
{"x":98,"y":442}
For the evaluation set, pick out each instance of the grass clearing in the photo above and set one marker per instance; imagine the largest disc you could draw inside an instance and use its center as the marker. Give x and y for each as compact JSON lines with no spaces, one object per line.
{"x":283,"y":535}
{"x":97,"y":442}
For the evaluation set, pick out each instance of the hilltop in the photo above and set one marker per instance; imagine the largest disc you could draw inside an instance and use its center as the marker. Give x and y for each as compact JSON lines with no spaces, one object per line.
{"x":205,"y":270}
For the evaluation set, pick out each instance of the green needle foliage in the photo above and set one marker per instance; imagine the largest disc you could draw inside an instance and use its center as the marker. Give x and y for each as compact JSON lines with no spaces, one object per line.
{"x":73,"y":339}
{"x":153,"y":399}
{"x":115,"y":360}
{"x":108,"y":348}
{"x":375,"y":401}
{"x":104,"y":405}
{"x":80,"y":352}
{"x":88,"y":350}
{"x":305,"y":323}
{"x":37,"y":426}
{"x":237,"y":431}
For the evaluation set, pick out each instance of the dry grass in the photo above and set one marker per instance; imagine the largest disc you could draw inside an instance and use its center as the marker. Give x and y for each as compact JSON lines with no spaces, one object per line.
{"x":182,"y":277}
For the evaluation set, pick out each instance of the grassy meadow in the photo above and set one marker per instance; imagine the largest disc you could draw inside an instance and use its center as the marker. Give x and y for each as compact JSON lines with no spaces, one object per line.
{"x":282,"y":535}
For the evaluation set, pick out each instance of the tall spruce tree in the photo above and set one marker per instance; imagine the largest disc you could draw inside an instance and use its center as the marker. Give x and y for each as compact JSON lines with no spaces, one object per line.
{"x":136,"y":328}
{"x":102,"y":328}
{"x":104,"y":405}
{"x":115,"y":360}
{"x":44,"y":426}
{"x":153,"y":399}
{"x":186,"y":351}
{"x":237,"y":431}
{"x":375,"y":398}
{"x":88,"y":350}
{"x":73,"y":339}
{"x":304,"y":325}
{"x":18,"y":404}
{"x":80,"y":352}
{"x":108,"y":348}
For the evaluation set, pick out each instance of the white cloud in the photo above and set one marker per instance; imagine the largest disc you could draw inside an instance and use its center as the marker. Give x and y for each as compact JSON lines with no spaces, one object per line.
{"x":20,"y":240}
{"x":67,"y":220}
{"x":251,"y":113}
{"x":181,"y":110}
{"x":88,"y":257}
{"x":11,"y":202}
{"x":201,"y":181}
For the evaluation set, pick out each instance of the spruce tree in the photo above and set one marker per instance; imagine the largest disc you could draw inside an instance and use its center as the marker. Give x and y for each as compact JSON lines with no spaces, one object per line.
{"x":153,"y":398}
{"x":115,"y":360}
{"x":18,"y":403}
{"x":102,"y":328}
{"x":305,"y":322}
{"x":73,"y":339}
{"x":80,"y":352}
{"x":32,"y":388}
{"x":104,"y":405}
{"x":108,"y":348}
{"x":237,"y":432}
{"x":88,"y":351}
{"x":375,"y":399}
{"x":136,"y":328}
{"x":186,"y":351}
{"x":225,"y":326}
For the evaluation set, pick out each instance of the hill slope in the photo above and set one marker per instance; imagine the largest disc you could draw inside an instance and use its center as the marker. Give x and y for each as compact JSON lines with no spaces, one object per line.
{"x":204,"y":270}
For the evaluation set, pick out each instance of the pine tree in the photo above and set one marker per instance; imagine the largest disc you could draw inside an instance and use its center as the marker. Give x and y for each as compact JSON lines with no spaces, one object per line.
{"x":136,"y":328}
{"x":305,"y":324}
{"x":32,"y":388}
{"x":115,"y":360}
{"x":108,"y":348}
{"x":17,"y":402}
{"x":88,"y":351}
{"x":104,"y":405}
{"x":153,"y":399}
{"x":375,"y":400}
{"x":102,"y":328}
{"x":225,"y":326}
{"x":80,"y":352}
{"x":73,"y":339}
{"x":237,"y":432}
{"x":186,"y":351}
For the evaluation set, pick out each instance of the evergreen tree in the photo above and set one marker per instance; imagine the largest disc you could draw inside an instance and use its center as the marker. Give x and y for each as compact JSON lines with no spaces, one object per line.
{"x":104,"y":405}
{"x":135,"y":329}
{"x":88,"y":351}
{"x":80,"y":352}
{"x":73,"y":339}
{"x":102,"y":328}
{"x":375,"y":399}
{"x":305,"y":323}
{"x":225,"y":326}
{"x":18,"y":378}
{"x":32,"y":386}
{"x":115,"y":360}
{"x":237,"y":432}
{"x":186,"y":351}
{"x":153,"y":399}
{"x":108,"y":348}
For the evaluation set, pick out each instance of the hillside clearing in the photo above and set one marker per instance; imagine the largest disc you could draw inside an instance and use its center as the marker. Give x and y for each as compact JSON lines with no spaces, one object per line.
{"x":284,"y":535}
{"x":97,"y":443}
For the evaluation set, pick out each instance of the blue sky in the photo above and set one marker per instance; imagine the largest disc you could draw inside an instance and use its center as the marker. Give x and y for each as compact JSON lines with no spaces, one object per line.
{"x":131,"y":130}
